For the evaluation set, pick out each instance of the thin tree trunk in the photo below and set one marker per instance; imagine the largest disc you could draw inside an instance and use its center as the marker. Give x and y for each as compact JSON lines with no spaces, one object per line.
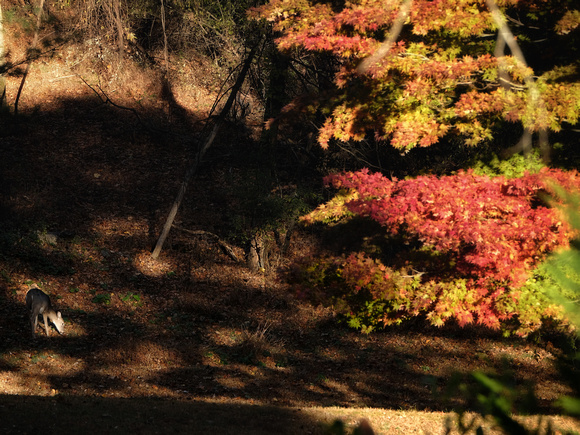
{"x":119,"y":24}
{"x":535,"y":100}
{"x":3,"y":103}
{"x":256,"y":256}
{"x":165,"y":53}
{"x":193,"y":168}
{"x":113,"y":11}
{"x":391,"y":38}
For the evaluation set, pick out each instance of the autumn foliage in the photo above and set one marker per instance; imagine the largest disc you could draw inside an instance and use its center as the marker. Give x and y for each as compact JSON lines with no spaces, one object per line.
{"x":445,"y":74}
{"x":410,"y":74}
{"x":483,"y":236}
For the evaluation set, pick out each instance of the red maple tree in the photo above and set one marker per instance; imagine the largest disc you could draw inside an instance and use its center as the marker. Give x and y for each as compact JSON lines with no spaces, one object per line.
{"x":492,"y":231}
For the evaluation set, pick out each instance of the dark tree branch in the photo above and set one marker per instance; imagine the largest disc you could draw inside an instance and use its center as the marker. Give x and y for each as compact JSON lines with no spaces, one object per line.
{"x":226,"y":248}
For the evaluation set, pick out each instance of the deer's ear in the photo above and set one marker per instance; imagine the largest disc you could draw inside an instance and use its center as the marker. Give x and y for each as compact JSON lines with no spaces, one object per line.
{"x":59,"y":315}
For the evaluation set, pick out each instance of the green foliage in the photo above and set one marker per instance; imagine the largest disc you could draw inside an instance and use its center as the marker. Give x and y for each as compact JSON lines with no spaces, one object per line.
{"x":131,"y":297}
{"x":361,"y":298}
{"x":570,"y":405}
{"x":102,"y":298}
{"x":565,"y":268}
{"x":534,"y":307}
{"x":516,"y":166}
{"x":259,"y":207}
{"x":368,"y":295}
{"x":22,"y":15}
{"x":496,"y":397}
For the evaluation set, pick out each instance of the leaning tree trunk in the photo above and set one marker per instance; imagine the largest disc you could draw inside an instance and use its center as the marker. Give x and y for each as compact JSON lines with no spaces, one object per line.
{"x":193,"y":168}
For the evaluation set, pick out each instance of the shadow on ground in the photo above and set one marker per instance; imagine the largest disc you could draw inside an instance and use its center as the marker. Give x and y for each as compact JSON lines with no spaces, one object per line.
{"x":70,"y":414}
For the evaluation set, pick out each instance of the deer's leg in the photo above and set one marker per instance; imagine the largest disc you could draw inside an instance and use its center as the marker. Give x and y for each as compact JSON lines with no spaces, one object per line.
{"x":46,"y":324}
{"x":33,"y":323}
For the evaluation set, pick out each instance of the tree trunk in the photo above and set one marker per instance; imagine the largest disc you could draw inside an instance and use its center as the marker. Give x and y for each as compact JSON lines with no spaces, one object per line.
{"x":165,"y":49}
{"x":119,"y":25}
{"x":276,"y":99}
{"x":193,"y":169}
{"x":256,"y":256}
{"x":3,"y":102}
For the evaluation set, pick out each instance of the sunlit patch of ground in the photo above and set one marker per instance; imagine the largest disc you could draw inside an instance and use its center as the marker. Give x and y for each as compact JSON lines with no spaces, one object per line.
{"x":149,"y":266}
{"x":35,"y":373}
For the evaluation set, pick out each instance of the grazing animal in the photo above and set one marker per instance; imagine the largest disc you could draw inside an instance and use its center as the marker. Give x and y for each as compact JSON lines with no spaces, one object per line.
{"x":37,"y":303}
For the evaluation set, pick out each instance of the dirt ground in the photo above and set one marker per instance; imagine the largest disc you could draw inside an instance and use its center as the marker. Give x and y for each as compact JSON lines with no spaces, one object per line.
{"x":85,"y":189}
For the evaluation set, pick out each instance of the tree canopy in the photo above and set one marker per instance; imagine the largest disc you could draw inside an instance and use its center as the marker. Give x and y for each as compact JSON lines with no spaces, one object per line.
{"x":450,"y":71}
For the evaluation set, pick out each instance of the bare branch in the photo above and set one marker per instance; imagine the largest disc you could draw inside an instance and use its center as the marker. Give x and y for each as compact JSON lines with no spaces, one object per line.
{"x":505,"y":36}
{"x":390,"y":39}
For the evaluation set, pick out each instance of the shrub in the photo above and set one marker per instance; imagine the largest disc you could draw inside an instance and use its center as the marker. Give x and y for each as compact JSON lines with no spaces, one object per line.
{"x":484,"y":238}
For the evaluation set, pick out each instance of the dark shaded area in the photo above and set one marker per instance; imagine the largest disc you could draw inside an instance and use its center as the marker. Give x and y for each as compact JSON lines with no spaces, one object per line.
{"x":64,"y":414}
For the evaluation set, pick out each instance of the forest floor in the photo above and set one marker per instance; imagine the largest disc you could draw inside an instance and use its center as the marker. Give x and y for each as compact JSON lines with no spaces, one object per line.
{"x":192,"y":342}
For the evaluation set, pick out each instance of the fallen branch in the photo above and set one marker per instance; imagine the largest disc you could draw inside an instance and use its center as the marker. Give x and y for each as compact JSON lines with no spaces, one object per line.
{"x":105,"y":99}
{"x":226,"y":249}
{"x":102,"y":95}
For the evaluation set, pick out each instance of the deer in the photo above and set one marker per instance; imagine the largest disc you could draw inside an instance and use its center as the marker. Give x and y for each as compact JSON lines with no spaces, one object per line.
{"x":37,"y":303}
